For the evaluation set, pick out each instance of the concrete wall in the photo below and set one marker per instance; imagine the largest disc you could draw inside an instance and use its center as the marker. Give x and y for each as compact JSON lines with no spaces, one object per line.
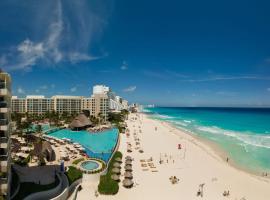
{"x":65,"y":189}
{"x":50,"y":194}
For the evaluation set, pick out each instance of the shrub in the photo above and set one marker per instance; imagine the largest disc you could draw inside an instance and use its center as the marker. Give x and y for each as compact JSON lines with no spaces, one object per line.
{"x":42,"y":161}
{"x":73,"y":174}
{"x":23,"y":162}
{"x":75,"y":162}
{"x":106,"y":184}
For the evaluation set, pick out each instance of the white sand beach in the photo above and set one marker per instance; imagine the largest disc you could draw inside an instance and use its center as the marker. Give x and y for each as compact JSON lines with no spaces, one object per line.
{"x":194,"y":164}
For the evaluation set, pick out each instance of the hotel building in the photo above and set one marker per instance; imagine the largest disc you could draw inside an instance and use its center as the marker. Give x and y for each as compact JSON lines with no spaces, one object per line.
{"x":5,"y":129}
{"x":101,"y":102}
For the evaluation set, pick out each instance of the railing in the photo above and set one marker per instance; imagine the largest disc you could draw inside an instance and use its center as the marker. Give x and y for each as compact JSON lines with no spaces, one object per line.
{"x":3,"y":180}
{"x":3,"y":139}
{"x":3,"y":157}
{"x":2,"y":85}
{"x":3,"y":122}
{"x":3,"y":104}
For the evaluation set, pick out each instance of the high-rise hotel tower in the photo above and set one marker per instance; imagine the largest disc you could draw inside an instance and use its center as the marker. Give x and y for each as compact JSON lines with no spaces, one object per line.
{"x":5,"y":129}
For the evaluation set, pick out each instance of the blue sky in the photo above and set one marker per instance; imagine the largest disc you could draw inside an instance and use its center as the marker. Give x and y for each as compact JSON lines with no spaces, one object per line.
{"x":175,"y":53}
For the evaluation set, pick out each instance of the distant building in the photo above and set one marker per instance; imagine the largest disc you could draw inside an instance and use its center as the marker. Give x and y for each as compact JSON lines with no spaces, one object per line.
{"x":38,"y":104}
{"x":69,"y":104}
{"x":5,"y":128}
{"x":18,"y":104}
{"x":101,"y":102}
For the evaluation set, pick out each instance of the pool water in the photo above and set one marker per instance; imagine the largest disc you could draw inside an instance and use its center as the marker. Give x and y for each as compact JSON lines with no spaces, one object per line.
{"x":97,"y":145}
{"x":90,"y":165}
{"x":44,"y":127}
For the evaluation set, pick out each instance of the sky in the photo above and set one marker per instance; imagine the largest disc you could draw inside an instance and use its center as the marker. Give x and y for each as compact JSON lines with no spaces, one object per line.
{"x":168,"y":53}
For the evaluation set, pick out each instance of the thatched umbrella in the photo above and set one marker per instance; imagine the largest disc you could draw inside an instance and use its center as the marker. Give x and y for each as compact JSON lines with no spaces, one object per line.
{"x":115,"y":177}
{"x":116,"y":170}
{"x":80,"y":121}
{"x":128,"y":175}
{"x":128,"y":162}
{"x":117,"y":165}
{"x":128,"y":183}
{"x":118,"y":159}
{"x":128,"y":168}
{"x":128,"y":158}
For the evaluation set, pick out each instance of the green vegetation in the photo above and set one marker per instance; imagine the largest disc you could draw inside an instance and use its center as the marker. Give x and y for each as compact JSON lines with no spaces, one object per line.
{"x":107,"y":185}
{"x":75,"y":162}
{"x":73,"y":174}
{"x":23,"y":162}
{"x":118,"y":119}
{"x":28,"y":188}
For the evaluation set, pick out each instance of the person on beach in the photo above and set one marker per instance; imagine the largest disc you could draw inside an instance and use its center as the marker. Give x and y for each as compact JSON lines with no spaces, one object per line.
{"x":227,"y":159}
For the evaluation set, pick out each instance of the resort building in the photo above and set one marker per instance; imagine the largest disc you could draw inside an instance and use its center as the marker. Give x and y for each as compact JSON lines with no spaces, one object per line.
{"x":5,"y":128}
{"x":102,"y":101}
{"x":37,"y":104}
{"x":99,"y":106}
{"x":116,"y":103}
{"x":69,"y":104}
{"x":18,"y":104}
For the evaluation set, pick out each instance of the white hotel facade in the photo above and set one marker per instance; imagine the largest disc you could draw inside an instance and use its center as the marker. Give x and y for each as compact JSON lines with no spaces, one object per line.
{"x":5,"y":131}
{"x":101,"y":102}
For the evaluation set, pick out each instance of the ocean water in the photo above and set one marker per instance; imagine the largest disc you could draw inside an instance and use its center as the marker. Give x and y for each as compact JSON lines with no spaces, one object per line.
{"x":243,"y":133}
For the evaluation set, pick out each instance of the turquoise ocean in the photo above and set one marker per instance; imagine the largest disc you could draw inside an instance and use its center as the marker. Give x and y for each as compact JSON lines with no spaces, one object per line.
{"x":243,"y":133}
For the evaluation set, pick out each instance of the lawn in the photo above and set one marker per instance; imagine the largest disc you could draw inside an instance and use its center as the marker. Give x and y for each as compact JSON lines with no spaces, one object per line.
{"x":73,"y":174}
{"x":106,"y":184}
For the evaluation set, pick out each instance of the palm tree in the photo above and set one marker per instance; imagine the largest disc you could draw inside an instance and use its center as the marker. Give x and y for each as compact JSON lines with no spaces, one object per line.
{"x":39,"y":130}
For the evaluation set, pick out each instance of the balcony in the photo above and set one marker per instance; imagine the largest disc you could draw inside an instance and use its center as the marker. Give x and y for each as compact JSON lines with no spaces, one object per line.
{"x":3,"y":180}
{"x":2,"y":85}
{"x":3,"y":104}
{"x":3,"y":140}
{"x":3,"y":122}
{"x":3,"y":157}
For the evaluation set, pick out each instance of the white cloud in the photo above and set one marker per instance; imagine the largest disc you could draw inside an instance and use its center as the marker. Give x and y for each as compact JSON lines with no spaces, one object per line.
{"x":37,"y":91}
{"x":44,"y":87}
{"x":226,"y":93}
{"x":130,"y":89}
{"x":224,"y":78}
{"x":73,"y":89}
{"x":268,"y":89}
{"x":65,"y":37}
{"x":124,"y":66}
{"x":20,"y":90}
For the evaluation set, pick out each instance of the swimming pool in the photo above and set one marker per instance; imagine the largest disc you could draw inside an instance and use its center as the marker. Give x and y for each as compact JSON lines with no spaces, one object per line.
{"x":90,"y":165}
{"x":97,"y":145}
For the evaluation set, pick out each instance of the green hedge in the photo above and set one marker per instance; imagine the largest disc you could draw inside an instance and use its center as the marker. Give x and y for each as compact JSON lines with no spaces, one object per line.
{"x":73,"y":174}
{"x":106,"y":185}
{"x":75,"y":162}
{"x":23,"y":162}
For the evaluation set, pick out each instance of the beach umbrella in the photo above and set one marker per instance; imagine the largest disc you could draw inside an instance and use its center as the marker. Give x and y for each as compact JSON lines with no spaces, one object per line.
{"x":128,"y":162}
{"x":128,"y":175}
{"x":115,"y":177}
{"x":116,"y":164}
{"x":128,"y":183}
{"x":116,"y":170}
{"x":128,"y":168}
{"x":118,"y":159}
{"x":128,"y":158}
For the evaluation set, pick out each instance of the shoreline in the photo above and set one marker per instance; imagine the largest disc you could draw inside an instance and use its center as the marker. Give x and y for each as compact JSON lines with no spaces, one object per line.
{"x":210,"y":148}
{"x":194,"y":164}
